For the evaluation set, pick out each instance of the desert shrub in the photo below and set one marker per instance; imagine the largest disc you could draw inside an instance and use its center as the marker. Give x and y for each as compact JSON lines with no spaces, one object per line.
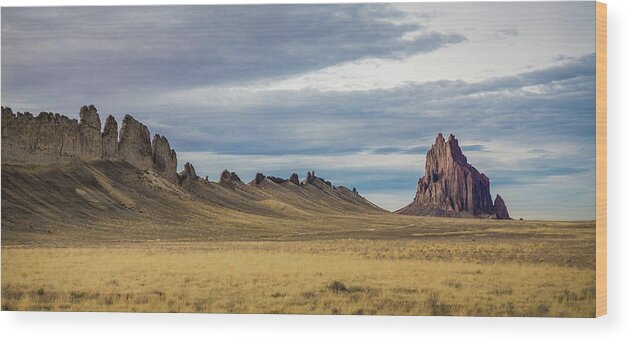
{"x":567,"y":296}
{"x":509,"y":308}
{"x":308,"y":294}
{"x":540,"y":310}
{"x":405,"y":290}
{"x":337,"y":287}
{"x":452,"y":283}
{"x":436,"y":307}
{"x":502,"y":291}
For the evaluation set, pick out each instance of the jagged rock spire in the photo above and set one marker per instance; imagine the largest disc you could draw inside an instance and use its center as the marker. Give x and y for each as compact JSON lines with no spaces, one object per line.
{"x":450,"y":186}
{"x":294,"y":178}
{"x":164,"y":158}
{"x":187,"y":176}
{"x":500,"y":209}
{"x":110,"y":139}
{"x":135,"y":143}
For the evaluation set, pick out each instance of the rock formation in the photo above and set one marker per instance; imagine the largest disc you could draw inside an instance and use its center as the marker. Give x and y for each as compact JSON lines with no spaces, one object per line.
{"x":277,"y":179}
{"x":135,"y":143}
{"x":164,"y":158}
{"x":187,"y":177}
{"x":295,"y":179}
{"x":110,"y":139}
{"x":311,"y":178}
{"x":226,"y":175}
{"x":451,"y":186}
{"x":229,"y":179}
{"x":90,"y":133}
{"x":500,"y":210}
{"x":54,"y":138}
{"x":260,"y":177}
{"x":50,"y":138}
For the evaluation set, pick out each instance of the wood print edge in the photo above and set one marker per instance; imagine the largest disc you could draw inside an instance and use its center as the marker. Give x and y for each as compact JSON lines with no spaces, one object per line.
{"x":601,"y":159}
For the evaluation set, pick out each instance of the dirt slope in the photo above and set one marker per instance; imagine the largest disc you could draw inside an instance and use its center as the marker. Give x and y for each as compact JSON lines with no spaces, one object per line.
{"x":112,"y":200}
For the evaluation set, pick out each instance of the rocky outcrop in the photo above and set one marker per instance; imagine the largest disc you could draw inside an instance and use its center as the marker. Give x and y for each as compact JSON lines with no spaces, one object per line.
{"x":135,"y":143}
{"x":188,"y":176}
{"x":277,"y":179}
{"x":89,"y":117}
{"x":164,"y":158}
{"x":90,"y":133}
{"x":229,"y":179}
{"x":500,"y":210}
{"x":50,"y":137}
{"x":312,"y":179}
{"x":226,"y":175}
{"x":54,"y":138}
{"x":260,"y":177}
{"x":110,"y":139}
{"x":451,"y":186}
{"x":295,"y":179}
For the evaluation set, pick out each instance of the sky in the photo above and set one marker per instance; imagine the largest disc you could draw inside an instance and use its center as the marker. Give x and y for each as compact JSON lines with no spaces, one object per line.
{"x":356,"y":92}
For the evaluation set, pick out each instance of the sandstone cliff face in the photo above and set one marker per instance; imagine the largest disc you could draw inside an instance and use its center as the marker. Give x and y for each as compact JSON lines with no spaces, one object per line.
{"x":135,"y":144}
{"x":164,"y":158}
{"x":450,"y":185}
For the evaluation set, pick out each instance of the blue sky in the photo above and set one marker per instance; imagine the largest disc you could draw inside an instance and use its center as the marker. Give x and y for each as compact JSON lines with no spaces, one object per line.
{"x":355,"y":92}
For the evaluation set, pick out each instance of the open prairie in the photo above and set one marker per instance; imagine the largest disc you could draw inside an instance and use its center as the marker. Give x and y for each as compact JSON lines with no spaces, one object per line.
{"x":400,"y":266}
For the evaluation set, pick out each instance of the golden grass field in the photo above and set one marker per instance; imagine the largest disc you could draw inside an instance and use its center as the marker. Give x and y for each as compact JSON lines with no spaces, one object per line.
{"x":436,"y":276}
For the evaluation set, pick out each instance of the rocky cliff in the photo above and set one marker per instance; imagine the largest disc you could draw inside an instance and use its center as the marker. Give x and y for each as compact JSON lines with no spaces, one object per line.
{"x":500,"y":210}
{"x":110,"y":139}
{"x":294,"y":179}
{"x":50,"y":137}
{"x":135,"y":143}
{"x":187,"y":177}
{"x":453,"y":187}
{"x":54,"y":138}
{"x":164,"y":158}
{"x":229,"y":179}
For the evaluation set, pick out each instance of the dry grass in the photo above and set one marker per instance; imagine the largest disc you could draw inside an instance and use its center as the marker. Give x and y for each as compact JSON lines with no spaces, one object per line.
{"x":397,"y":277}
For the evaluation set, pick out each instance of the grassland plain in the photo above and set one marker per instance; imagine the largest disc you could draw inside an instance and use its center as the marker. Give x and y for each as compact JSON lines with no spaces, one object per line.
{"x":104,"y":236}
{"x":518,"y":269}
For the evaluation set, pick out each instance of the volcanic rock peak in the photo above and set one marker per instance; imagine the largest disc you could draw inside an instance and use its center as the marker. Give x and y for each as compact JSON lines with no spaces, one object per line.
{"x":451,"y":186}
